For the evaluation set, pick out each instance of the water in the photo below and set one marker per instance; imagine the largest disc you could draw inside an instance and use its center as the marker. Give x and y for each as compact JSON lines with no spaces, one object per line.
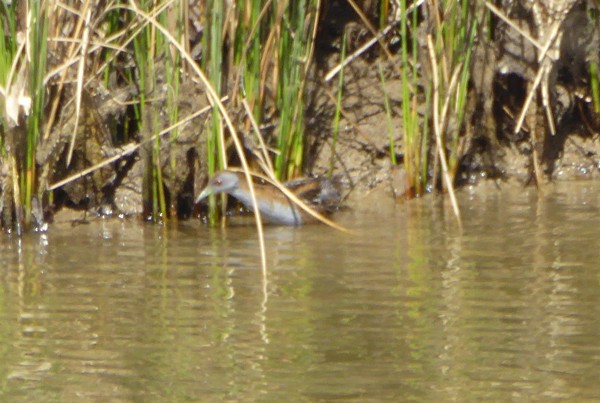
{"x":409,"y":307}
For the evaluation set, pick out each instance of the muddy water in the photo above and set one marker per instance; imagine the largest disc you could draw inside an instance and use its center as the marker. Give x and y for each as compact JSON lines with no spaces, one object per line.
{"x":407,"y":308}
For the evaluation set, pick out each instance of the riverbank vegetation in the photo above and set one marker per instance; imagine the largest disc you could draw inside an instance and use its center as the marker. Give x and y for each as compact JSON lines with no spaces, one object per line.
{"x":126,"y":108}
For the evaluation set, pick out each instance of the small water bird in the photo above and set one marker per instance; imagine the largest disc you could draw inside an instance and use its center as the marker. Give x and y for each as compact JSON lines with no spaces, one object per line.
{"x":321,"y":194}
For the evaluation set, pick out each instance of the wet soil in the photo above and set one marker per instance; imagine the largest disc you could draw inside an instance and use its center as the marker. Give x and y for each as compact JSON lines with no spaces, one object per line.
{"x":360,"y":152}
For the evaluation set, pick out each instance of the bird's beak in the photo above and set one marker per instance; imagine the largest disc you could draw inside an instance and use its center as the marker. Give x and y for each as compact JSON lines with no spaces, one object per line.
{"x":204,"y":194}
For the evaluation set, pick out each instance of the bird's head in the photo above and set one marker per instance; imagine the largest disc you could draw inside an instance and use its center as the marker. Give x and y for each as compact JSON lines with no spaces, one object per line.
{"x":221,"y":182}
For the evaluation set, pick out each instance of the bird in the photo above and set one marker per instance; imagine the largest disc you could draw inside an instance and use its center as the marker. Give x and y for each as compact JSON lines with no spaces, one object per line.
{"x":321,"y":194}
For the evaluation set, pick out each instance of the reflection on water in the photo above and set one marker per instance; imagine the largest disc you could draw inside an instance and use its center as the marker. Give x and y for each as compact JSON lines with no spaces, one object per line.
{"x":409,"y":308}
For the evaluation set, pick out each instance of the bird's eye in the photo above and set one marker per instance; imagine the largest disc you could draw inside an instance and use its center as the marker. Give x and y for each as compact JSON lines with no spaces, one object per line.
{"x":218,"y":182}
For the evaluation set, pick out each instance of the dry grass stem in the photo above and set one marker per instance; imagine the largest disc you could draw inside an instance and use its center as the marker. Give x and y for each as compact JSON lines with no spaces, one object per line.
{"x":357,"y":53}
{"x":128,"y":149}
{"x":438,"y":125}
{"x":297,"y":201}
{"x":264,"y":158}
{"x":215,"y":98}
{"x":542,"y":72}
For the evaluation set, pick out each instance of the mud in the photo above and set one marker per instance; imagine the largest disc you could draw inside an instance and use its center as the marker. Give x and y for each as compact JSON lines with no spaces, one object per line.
{"x":504,"y":66}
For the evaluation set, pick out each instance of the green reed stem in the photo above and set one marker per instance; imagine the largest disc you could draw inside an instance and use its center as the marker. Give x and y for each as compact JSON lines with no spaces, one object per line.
{"x":154,"y":59}
{"x":294,"y":51}
{"x":423,"y":139}
{"x":454,"y":37}
{"x":338,"y":107}
{"x":249,"y":43}
{"x":463,"y":44}
{"x":594,"y":85}
{"x":172,"y":17}
{"x":213,"y":63}
{"x":388,"y":113}
{"x":424,"y":145}
{"x":410,"y":125}
{"x":37,"y":70}
{"x":8,"y":19}
{"x":384,"y":9}
{"x":149,"y":47}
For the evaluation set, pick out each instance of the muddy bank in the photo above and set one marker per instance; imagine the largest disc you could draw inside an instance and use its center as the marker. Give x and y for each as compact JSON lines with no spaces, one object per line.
{"x":559,"y":139}
{"x":529,"y":114}
{"x":362,"y":153}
